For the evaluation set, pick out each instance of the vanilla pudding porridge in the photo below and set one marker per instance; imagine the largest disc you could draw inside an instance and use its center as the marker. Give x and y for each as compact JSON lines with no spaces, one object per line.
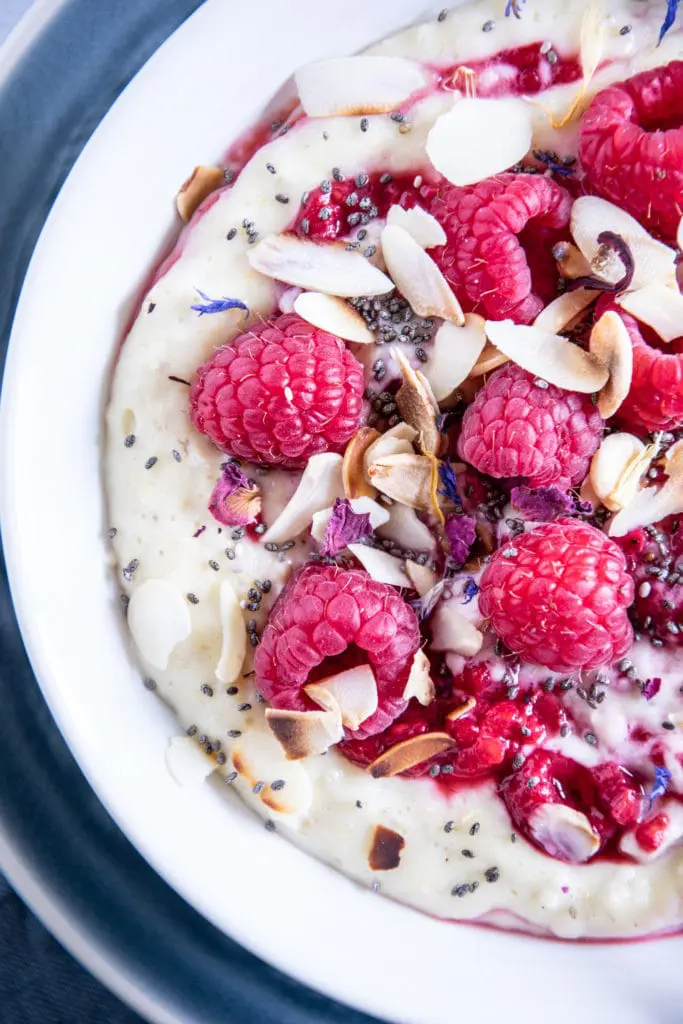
{"x":394,"y":467}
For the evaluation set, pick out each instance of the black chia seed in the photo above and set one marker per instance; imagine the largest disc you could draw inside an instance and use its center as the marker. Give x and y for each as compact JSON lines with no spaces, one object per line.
{"x":269,"y":826}
{"x":214,"y":565}
{"x":668,"y":725}
{"x":129,"y":440}
{"x":468,"y":854}
{"x":149,"y":684}
{"x":591,"y":738}
{"x":449,"y":826}
{"x":152,"y":461}
{"x":475,"y":829}
{"x":192,"y":598}
{"x":492,"y":874}
{"x":231,"y":777}
{"x":111,"y":533}
{"x":277,"y":785}
{"x":244,"y":707}
{"x":231,"y":234}
{"x":206,"y":690}
{"x":364,"y":124}
{"x":443,"y":15}
{"x":258,"y":788}
{"x":129,"y":570}
{"x":281,"y":198}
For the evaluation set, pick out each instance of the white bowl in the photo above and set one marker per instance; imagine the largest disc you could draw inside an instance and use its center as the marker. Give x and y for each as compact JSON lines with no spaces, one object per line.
{"x":202,"y":87}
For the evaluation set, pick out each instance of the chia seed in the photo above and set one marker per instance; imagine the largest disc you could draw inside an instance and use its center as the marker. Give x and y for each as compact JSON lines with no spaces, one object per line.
{"x":244,"y":707}
{"x":324,"y":213}
{"x":230,"y":554}
{"x":206,"y":690}
{"x":435,"y":770}
{"x":532,"y":782}
{"x":129,"y":440}
{"x":449,"y":826}
{"x":591,"y":738}
{"x":129,"y":570}
{"x":475,"y":829}
{"x":305,"y":226}
{"x":337,"y":175}
{"x":192,"y":598}
{"x":487,"y":26}
{"x":398,"y":117}
{"x":258,"y":788}
{"x":191,"y":730}
{"x":468,"y":854}
{"x":443,"y":15}
{"x":460,"y":890}
{"x":214,"y":565}
{"x":564,"y":731}
{"x":364,"y":124}
{"x":624,"y":30}
{"x":111,"y":533}
{"x":281,"y":198}
{"x":237,"y":534}
{"x":176,"y":455}
{"x":386,"y":179}
{"x":232,"y":690}
{"x":277,"y":785}
{"x":517,"y":761}
{"x":149,"y":684}
{"x":492,"y":874}
{"x":269,"y":826}
{"x":668,"y":725}
{"x":362,"y":179}
{"x":231,"y":777}
{"x":221,"y":759}
{"x":231,"y":234}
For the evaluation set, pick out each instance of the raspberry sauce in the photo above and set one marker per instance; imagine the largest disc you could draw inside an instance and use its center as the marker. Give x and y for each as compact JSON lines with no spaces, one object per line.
{"x":524,"y":71}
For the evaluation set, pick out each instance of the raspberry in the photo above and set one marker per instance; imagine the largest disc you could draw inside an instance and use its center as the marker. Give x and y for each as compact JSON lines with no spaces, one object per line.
{"x":655,"y":400}
{"x":516,"y":429}
{"x":631,"y":146}
{"x":620,"y":794}
{"x":658,"y":606}
{"x":328,"y":619}
{"x":500,"y":235}
{"x":280,"y":393}
{"x":336,"y":208}
{"x":559,"y":596}
{"x":651,"y":833}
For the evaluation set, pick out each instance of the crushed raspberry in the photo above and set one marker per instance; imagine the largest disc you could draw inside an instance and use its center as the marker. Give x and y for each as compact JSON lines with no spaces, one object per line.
{"x":516,"y":429}
{"x":500,"y":232}
{"x":336,"y":208}
{"x":558,"y":597}
{"x":655,"y":400}
{"x":280,"y":393}
{"x":522,"y":71}
{"x":651,"y":833}
{"x":658,"y":606}
{"x":631,"y":147}
{"x":620,"y":794}
{"x":328,"y":619}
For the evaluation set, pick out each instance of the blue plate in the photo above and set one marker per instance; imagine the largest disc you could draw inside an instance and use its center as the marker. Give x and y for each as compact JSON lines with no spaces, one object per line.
{"x":191,"y":972}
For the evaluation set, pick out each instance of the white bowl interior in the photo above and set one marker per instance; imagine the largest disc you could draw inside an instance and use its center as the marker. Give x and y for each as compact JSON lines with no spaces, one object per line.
{"x":202,"y":87}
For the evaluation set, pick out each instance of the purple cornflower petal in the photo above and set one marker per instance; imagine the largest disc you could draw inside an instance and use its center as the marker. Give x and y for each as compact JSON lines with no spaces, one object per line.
{"x":449,"y":482}
{"x":217,"y":305}
{"x":542,"y":503}
{"x":470,"y":590}
{"x":651,"y":687}
{"x":671,"y":12}
{"x":514,"y":7}
{"x":345,"y":527}
{"x":660,"y":785}
{"x":461,"y":531}
{"x":234,"y":500}
{"x":426,"y":605}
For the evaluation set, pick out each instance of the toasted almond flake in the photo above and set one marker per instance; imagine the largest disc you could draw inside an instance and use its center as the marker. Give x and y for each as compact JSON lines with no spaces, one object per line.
{"x":422,"y":577}
{"x":571,"y":262}
{"x":332,"y":314}
{"x":201,"y":183}
{"x":187,"y":762}
{"x":382,"y":567}
{"x":418,"y":406}
{"x":417,"y":276}
{"x":653,"y":261}
{"x":548,"y":356}
{"x":396,"y":441}
{"x":457,"y":713}
{"x":405,"y":478}
{"x":328,"y":268}
{"x":234,"y":647}
{"x":454,"y":354}
{"x":410,"y":752}
{"x":420,"y":684}
{"x":258,"y":757}
{"x":353,"y":694}
{"x":361,"y":506}
{"x":320,"y":484}
{"x":353,"y":467}
{"x":407,"y":529}
{"x":591,"y":50}
{"x":565,"y":311}
{"x":287,"y":299}
{"x":611,"y":345}
{"x":386,"y":848}
{"x":479,"y":138}
{"x":587,"y":493}
{"x":564,"y":832}
{"x":358,"y":85}
{"x":159,"y":619}
{"x":489,"y":360}
{"x":616,"y":469}
{"x":419,"y":224}
{"x":304,"y":733}
{"x":651,"y":504}
{"x":451,"y":631}
{"x":659,"y":307}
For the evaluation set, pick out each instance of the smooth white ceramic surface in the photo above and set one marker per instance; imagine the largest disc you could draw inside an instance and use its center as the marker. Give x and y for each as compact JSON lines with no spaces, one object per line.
{"x":201,"y":88}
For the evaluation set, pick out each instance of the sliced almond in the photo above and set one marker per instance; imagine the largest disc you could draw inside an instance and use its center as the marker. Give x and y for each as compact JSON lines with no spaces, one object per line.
{"x":653,"y":260}
{"x":420,"y":684}
{"x":418,"y":406}
{"x":385,"y":849}
{"x":571,"y":262}
{"x":454,"y":354}
{"x":464,"y":709}
{"x":382,"y":567}
{"x":565,"y":311}
{"x":379,"y":516}
{"x":548,"y":356}
{"x":159,"y":619}
{"x":328,"y":268}
{"x":187,"y":762}
{"x":332,"y":314}
{"x":405,"y":478}
{"x":417,"y":276}
{"x":234,"y":647}
{"x":352,"y":693}
{"x":479,"y":138}
{"x":611,"y":345}
{"x":419,"y":224}
{"x":591,"y":50}
{"x":451,"y":631}
{"x":201,"y":183}
{"x":489,"y":360}
{"x":659,"y":307}
{"x":409,"y":753}
{"x":358,"y":85}
{"x":396,"y":441}
{"x":304,"y":733}
{"x":613,"y":474}
{"x":407,"y":529}
{"x":651,"y":504}
{"x":564,"y":833}
{"x":422,"y":577}
{"x":353,"y":468}
{"x":320,"y":484}
{"x":258,"y":758}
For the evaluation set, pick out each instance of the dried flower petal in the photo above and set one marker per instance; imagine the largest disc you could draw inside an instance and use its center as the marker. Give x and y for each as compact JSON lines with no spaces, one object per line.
{"x":671,"y":12}
{"x":651,"y":687}
{"x":234,"y":501}
{"x":217,"y":305}
{"x":660,"y":785}
{"x":542,"y":504}
{"x":345,"y":527}
{"x":461,"y":532}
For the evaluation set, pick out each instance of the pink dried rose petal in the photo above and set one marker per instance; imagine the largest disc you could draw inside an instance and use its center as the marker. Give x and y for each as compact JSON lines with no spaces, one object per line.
{"x":651,"y":687}
{"x":234,"y":500}
{"x":542,"y":503}
{"x":461,"y":531}
{"x":345,"y":527}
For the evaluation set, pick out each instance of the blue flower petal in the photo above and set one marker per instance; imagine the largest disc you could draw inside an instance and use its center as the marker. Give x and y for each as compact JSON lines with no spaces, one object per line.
{"x":671,"y":12}
{"x":660,"y":785}
{"x":217,"y":305}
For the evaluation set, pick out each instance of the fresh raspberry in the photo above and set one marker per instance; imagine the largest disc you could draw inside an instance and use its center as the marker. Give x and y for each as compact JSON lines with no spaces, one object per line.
{"x":655,"y":400}
{"x":658,"y":606}
{"x":559,"y":596}
{"x":620,"y":794}
{"x":651,"y":833}
{"x":280,"y":393}
{"x":516,"y":429}
{"x":328,"y":619}
{"x":336,"y":208}
{"x":500,"y":232}
{"x":631,"y":147}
